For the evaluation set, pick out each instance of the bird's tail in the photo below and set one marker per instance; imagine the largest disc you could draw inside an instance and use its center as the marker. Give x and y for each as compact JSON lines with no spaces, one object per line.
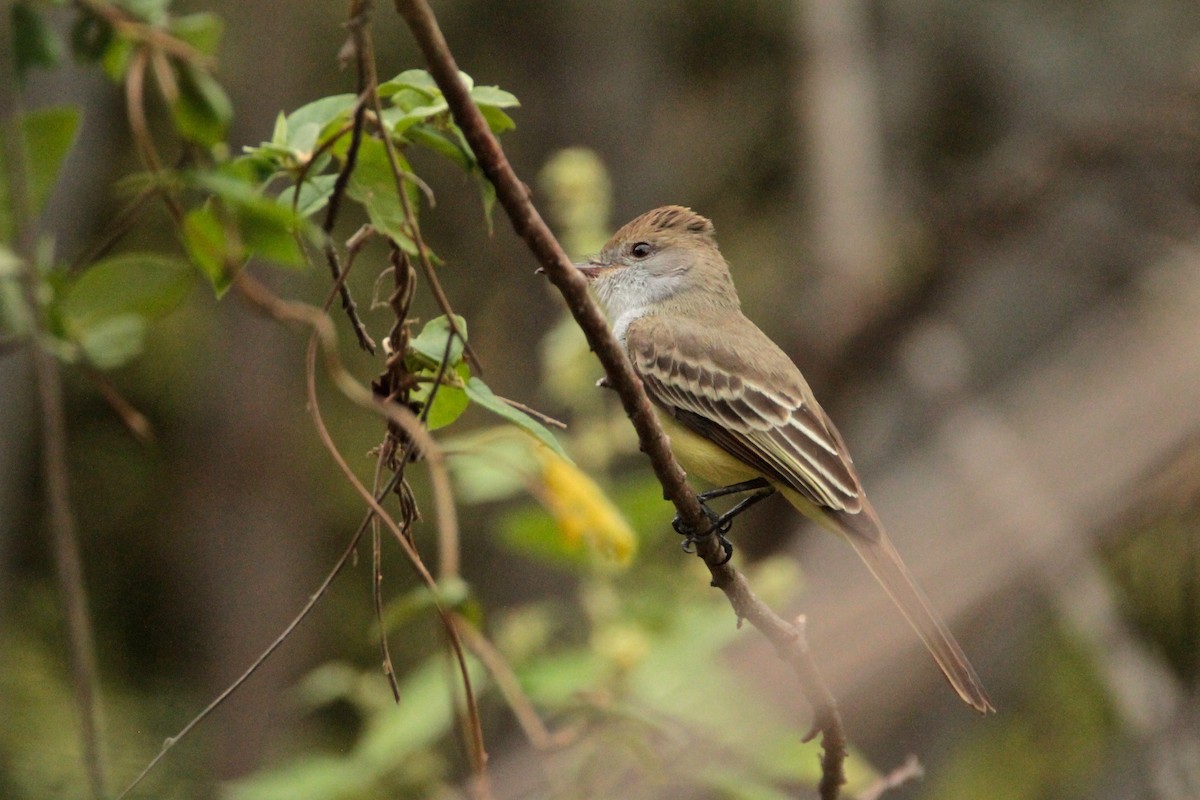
{"x":866,"y":534}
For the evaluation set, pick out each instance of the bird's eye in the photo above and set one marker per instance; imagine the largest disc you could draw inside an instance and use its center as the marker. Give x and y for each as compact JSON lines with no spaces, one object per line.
{"x":641,"y":249}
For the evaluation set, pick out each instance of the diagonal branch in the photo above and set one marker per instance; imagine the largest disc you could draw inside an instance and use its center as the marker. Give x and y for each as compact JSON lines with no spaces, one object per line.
{"x":787,"y":638}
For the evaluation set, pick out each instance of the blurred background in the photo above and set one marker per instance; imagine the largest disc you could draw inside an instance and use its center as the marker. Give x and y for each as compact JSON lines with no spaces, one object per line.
{"x":973,"y":224}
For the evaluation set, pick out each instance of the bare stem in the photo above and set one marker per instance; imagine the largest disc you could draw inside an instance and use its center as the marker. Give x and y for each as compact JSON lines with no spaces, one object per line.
{"x":513,"y":195}
{"x":64,"y":539}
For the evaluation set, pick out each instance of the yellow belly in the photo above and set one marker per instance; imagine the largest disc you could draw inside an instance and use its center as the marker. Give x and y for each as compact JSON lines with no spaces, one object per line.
{"x":701,"y":458}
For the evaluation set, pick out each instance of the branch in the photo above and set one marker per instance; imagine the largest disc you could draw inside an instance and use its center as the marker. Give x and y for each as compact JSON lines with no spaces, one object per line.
{"x":64,"y":533}
{"x":513,"y":195}
{"x":910,"y":770}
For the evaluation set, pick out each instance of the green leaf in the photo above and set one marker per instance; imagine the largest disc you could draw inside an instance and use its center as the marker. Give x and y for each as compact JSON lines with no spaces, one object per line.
{"x":202,"y":110}
{"x":142,"y":284}
{"x":430,"y":344}
{"x":314,"y":194}
{"x":33,"y":43}
{"x":267,"y":227}
{"x":202,"y":31}
{"x":208,"y":246}
{"x":487,"y":194}
{"x":449,"y":402}
{"x":400,"y":120}
{"x":303,"y":139}
{"x":496,"y":119}
{"x":49,"y":135}
{"x":374,"y":185}
{"x":279,"y":134}
{"x":417,"y":79}
{"x":113,"y":341}
{"x":445,"y":144}
{"x":16,"y":318}
{"x":494,"y":96}
{"x":269,"y":234}
{"x":116,"y":57}
{"x":479,"y":393}
{"x":322,"y":112}
{"x":452,"y":592}
{"x":91,"y":36}
{"x":152,"y":11}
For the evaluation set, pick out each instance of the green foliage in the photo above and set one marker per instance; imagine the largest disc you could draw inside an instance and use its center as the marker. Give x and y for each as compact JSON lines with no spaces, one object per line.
{"x":373,"y":184}
{"x":414,"y":114}
{"x":479,"y":393}
{"x":458,"y":389}
{"x":393,"y":756}
{"x":201,"y":111}
{"x":202,"y":31}
{"x":34,"y":44}
{"x":106,"y":310}
{"x":47,"y":136}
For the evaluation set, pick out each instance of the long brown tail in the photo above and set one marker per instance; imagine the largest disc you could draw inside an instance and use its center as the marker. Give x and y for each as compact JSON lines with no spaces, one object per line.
{"x":866,"y":534}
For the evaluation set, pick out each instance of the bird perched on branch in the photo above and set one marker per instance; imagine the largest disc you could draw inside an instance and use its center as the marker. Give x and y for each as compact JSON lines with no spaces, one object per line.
{"x":738,"y":411}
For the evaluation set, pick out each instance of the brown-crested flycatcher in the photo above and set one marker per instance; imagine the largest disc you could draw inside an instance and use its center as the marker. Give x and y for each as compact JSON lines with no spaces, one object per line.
{"x":737,"y":409}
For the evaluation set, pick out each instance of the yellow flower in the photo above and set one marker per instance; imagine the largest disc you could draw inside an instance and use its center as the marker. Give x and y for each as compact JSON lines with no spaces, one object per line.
{"x":584,"y":514}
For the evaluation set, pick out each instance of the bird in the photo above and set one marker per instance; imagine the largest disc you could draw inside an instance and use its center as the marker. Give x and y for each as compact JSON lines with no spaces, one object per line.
{"x":737,"y":409}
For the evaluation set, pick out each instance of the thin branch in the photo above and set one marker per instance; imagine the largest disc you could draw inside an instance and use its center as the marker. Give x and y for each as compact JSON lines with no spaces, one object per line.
{"x":64,"y":538}
{"x":135,"y":109}
{"x":513,"y":195}
{"x":510,"y":686}
{"x":385,"y":652}
{"x":115,"y":229}
{"x":533,"y":412}
{"x":148,"y":35}
{"x":332,"y":207}
{"x":910,"y":770}
{"x":447,"y":521}
{"x":134,"y":420}
{"x":324,"y":334}
{"x":68,"y":564}
{"x":365,"y":48}
{"x":313,"y":599}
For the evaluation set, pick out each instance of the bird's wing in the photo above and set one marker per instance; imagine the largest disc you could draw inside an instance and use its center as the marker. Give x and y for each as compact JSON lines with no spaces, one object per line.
{"x":737,"y":389}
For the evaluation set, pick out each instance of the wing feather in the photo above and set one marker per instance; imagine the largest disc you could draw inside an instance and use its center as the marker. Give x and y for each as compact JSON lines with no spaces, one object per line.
{"x":759,"y":410}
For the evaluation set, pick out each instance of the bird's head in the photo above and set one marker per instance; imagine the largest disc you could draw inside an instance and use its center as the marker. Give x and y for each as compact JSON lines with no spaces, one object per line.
{"x":667,"y":257}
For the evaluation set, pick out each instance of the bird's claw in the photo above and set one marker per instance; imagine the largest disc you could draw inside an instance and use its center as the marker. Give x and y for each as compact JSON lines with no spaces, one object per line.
{"x":717,"y":525}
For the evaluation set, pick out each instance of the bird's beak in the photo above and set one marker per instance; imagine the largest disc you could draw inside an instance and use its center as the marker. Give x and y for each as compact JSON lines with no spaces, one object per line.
{"x":590,"y":269}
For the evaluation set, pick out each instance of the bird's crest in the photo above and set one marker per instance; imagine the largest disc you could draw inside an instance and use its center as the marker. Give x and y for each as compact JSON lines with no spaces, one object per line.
{"x":668,"y":220}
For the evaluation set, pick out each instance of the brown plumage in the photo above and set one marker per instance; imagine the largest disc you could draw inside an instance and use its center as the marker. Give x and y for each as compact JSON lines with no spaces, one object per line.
{"x":735,"y":405}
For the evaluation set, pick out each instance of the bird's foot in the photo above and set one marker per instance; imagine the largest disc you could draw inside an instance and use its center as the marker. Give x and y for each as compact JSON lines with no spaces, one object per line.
{"x":721,"y":524}
{"x":718,"y":525}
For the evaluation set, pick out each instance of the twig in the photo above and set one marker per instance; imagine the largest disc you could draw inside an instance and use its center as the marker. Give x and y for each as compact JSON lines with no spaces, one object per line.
{"x":528,"y":224}
{"x":148,"y":35}
{"x":67,"y":562}
{"x":135,"y":108}
{"x":134,"y":420}
{"x":447,"y":520}
{"x":385,"y":652}
{"x":115,"y":229}
{"x":506,"y":680}
{"x":533,"y":412}
{"x":313,"y":599}
{"x":63,"y":529}
{"x":331,"y":213}
{"x":365,"y":49}
{"x":323,"y":333}
{"x":910,"y":770}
